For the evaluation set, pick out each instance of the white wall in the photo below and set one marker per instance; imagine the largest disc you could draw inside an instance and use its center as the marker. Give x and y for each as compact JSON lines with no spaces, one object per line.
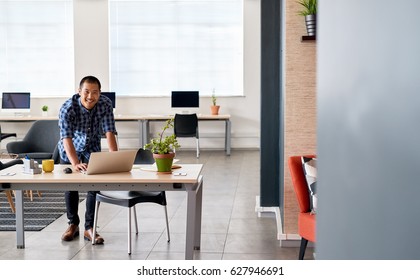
{"x":368,"y":132}
{"x":91,"y":37}
{"x":91,"y":58}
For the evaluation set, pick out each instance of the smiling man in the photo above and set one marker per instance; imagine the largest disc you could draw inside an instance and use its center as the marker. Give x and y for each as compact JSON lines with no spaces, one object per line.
{"x":82,"y":120}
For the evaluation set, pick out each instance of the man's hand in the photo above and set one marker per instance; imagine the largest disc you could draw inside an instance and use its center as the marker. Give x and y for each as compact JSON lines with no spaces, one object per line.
{"x":80,"y":166}
{"x":72,"y":155}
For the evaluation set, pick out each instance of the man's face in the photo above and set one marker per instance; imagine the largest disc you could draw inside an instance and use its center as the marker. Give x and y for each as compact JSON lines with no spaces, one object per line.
{"x":89,"y":95}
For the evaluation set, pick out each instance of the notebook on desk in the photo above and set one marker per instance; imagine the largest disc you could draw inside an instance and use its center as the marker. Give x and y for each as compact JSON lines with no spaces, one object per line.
{"x":111,"y":162}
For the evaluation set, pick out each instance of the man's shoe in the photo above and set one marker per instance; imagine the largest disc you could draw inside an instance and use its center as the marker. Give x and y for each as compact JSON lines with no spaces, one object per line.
{"x":89,"y":235}
{"x":71,"y":232}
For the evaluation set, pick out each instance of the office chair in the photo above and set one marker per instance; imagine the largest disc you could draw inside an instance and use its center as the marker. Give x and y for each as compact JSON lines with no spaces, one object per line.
{"x":129,"y":199}
{"x":306,"y":220}
{"x":6,"y":135}
{"x":186,"y":125}
{"x":7,"y":192}
{"x":39,"y":142}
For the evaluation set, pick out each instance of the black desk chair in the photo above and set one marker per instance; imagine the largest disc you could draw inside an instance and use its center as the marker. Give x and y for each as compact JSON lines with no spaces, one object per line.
{"x":8,"y":192}
{"x":129,"y":199}
{"x":6,"y":135}
{"x":186,"y":125}
{"x":39,"y":142}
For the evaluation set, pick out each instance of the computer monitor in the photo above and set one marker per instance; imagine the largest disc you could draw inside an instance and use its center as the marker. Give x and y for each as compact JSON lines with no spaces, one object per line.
{"x":110,"y":95}
{"x":185,"y":99}
{"x":16,"y":102}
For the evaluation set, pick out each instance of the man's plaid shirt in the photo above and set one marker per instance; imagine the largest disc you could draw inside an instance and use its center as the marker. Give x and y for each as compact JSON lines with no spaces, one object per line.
{"x":85,"y":127}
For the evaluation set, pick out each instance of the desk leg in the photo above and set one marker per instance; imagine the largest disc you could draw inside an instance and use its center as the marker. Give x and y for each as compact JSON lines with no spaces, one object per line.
{"x":145,"y":132}
{"x":141,"y":133}
{"x":198,"y":216}
{"x":228,"y":137}
{"x":193,"y":236}
{"x":20,"y":231}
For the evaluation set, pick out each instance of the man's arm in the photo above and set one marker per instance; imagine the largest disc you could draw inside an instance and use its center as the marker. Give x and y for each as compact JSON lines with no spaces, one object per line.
{"x":112,"y":141}
{"x":72,"y":155}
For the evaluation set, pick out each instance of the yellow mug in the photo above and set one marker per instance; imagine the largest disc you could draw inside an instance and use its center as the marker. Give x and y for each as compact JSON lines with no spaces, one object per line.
{"x":48,"y":165}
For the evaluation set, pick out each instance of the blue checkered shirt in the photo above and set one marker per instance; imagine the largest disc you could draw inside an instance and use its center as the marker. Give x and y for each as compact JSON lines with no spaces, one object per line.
{"x":85,"y":127}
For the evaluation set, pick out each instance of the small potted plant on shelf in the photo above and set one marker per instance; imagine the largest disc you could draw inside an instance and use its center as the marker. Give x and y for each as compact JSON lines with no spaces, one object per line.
{"x":214,"y":108}
{"x":44,"y":110}
{"x":309,"y":12}
{"x":163,"y":148}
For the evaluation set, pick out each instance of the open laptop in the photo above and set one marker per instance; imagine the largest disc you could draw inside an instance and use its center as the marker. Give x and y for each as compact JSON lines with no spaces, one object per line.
{"x":111,"y":162}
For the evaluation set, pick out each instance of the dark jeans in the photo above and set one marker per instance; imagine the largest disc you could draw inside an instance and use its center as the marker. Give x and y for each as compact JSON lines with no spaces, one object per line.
{"x":72,"y":205}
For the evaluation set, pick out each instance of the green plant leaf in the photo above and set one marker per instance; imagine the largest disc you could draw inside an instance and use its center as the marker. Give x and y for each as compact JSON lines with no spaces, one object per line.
{"x":163,"y":144}
{"x":309,"y":7}
{"x":213,"y":99}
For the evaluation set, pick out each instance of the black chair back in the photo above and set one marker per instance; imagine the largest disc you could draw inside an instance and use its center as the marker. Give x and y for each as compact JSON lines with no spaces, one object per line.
{"x":43,"y":135}
{"x":39,"y":142}
{"x":186,"y":125}
{"x":144,"y":157}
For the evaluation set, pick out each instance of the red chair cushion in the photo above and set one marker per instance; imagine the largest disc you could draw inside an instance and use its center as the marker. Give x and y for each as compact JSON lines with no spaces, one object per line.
{"x":306,"y":226}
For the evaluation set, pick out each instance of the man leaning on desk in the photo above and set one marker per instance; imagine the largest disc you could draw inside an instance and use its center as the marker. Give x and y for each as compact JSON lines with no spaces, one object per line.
{"x":82,"y":120}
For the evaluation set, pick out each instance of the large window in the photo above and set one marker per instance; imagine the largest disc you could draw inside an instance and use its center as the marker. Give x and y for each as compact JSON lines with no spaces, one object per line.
{"x":158,"y":46}
{"x":36,"y":47}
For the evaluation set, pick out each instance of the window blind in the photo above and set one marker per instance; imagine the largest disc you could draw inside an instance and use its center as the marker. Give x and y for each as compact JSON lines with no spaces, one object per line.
{"x":36,"y":47}
{"x":160,"y":46}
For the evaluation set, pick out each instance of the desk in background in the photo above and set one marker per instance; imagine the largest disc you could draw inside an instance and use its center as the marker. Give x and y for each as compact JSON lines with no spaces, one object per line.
{"x":157,"y":118}
{"x":136,"y":180}
{"x":143,"y":123}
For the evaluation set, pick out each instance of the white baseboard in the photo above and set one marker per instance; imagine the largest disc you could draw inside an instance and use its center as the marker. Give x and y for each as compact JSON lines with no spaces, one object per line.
{"x":286,"y":239}
{"x":276,"y":210}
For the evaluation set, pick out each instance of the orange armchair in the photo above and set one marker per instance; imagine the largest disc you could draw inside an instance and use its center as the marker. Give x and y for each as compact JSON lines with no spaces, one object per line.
{"x":306,"y":220}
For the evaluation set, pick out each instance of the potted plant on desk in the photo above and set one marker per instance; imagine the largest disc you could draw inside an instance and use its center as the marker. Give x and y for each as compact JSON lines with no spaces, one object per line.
{"x":214,"y":108}
{"x":163,"y":148}
{"x":44,"y":110}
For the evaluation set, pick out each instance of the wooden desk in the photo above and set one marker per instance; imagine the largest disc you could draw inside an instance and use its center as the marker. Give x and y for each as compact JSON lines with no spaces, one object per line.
{"x":137,"y":180}
{"x":155,"y":118}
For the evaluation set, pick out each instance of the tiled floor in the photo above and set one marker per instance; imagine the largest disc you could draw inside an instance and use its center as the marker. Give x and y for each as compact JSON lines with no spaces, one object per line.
{"x":231,"y":230}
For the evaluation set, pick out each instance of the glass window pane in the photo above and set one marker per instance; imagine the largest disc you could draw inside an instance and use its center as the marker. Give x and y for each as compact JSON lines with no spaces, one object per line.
{"x":160,"y":46}
{"x":36,"y":47}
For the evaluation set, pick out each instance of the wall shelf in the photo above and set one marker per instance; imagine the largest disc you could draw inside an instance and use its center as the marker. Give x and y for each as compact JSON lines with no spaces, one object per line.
{"x":308,"y":38}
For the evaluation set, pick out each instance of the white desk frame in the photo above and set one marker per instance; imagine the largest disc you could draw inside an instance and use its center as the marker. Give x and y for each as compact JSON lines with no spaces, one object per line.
{"x":143,"y":123}
{"x":137,"y":180}
{"x":159,"y":118}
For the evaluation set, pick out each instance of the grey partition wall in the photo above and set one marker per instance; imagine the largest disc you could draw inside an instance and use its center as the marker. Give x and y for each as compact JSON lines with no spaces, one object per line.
{"x":368,"y":130}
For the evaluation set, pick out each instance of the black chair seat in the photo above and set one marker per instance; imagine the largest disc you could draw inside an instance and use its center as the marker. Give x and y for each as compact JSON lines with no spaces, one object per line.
{"x":131,"y":198}
{"x":8,"y":192}
{"x":7,"y":135}
{"x":9,"y":163}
